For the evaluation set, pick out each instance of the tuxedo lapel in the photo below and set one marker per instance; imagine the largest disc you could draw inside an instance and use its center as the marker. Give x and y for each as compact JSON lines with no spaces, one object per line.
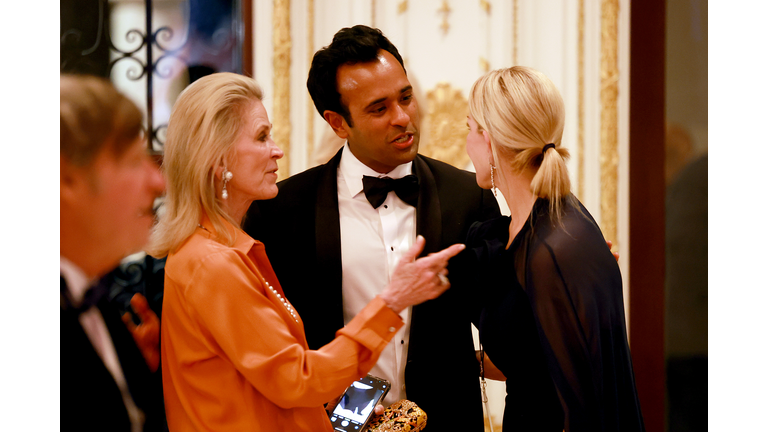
{"x":135,"y":370}
{"x":328,"y":235}
{"x":428,"y":215}
{"x":428,"y":224}
{"x":90,"y":397}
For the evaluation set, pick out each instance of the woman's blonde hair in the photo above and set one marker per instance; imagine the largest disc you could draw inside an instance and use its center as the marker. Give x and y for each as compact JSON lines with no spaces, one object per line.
{"x":206,"y":120}
{"x":523,"y":111}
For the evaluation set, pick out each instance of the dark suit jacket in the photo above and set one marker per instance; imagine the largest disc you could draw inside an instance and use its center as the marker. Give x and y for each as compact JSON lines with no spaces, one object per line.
{"x":300,"y":228}
{"x":90,"y":398}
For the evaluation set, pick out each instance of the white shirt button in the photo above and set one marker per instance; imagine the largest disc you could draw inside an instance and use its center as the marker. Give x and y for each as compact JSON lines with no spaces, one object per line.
{"x":392,"y":329}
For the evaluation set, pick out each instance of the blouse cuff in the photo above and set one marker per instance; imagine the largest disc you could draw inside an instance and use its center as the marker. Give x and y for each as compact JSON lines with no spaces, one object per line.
{"x":374,"y":326}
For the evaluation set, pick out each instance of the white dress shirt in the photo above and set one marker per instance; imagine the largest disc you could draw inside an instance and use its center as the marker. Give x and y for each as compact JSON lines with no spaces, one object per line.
{"x":372,"y":242}
{"x":96,"y":329}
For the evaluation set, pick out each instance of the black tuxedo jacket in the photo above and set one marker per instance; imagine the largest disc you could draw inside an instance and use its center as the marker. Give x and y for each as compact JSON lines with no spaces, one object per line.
{"x":90,"y":398}
{"x":300,"y":229}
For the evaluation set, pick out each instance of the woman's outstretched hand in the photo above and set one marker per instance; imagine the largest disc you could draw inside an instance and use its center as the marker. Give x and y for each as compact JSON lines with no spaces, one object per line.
{"x":417,"y":280}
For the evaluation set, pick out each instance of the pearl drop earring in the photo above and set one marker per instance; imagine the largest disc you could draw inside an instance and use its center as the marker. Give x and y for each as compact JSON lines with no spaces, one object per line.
{"x":226,"y":176}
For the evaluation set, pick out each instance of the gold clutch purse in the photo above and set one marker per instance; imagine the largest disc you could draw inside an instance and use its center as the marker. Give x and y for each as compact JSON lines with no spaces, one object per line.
{"x":402,"y":415}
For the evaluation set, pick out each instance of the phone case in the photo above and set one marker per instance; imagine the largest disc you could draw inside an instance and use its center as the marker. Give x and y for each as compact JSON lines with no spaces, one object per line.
{"x":402,"y":415}
{"x":346,"y":416}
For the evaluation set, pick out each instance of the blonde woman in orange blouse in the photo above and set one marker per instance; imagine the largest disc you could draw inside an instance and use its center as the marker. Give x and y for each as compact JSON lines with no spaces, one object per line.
{"x":234,"y":353}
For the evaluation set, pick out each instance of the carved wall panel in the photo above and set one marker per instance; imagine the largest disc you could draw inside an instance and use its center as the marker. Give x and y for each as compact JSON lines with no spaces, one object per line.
{"x":446,"y":125}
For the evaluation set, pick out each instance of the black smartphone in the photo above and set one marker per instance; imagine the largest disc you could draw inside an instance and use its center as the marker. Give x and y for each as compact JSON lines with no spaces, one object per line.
{"x":355,"y":407}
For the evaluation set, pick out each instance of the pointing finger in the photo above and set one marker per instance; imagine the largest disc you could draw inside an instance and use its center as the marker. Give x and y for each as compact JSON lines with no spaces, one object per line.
{"x":415,"y":250}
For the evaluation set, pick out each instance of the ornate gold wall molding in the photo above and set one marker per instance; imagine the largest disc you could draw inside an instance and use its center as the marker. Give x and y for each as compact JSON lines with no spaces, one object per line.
{"x":580,"y":136}
{"x":484,"y":65}
{"x":486,"y":6}
{"x":515,"y":38}
{"x":446,"y":10}
{"x":446,"y":125}
{"x":609,"y":135}
{"x":402,"y":7}
{"x":281,"y":62}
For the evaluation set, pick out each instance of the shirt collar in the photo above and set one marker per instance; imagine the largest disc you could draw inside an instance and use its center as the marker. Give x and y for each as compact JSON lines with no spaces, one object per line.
{"x":243,"y":242}
{"x":353,"y":171}
{"x":77,"y":281}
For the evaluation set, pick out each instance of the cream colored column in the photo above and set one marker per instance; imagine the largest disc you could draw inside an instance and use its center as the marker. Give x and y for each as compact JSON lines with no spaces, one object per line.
{"x":281,"y":108}
{"x":609,"y":136}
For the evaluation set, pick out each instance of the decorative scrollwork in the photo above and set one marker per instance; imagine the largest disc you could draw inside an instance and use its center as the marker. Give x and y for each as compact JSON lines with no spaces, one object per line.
{"x":131,"y":70}
{"x":100,"y":28}
{"x":143,"y":53}
{"x":164,"y":66}
{"x":166,"y":33}
{"x":141,"y":274}
{"x":445,"y":120}
{"x":71,"y":37}
{"x":221,"y":39}
{"x":160,"y":135}
{"x":131,"y":36}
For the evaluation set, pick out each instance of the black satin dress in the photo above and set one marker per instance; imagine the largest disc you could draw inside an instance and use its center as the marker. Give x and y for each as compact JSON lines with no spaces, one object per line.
{"x":560,"y":283}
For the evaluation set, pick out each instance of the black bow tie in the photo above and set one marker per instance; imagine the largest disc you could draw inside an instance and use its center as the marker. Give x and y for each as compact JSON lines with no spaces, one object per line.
{"x":91,"y":298}
{"x":377,"y":188}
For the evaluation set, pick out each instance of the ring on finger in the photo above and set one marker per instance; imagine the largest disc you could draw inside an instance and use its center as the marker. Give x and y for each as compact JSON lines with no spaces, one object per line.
{"x":443,"y":279}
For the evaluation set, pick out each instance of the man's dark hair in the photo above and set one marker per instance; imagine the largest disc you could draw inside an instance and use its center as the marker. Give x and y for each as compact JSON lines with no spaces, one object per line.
{"x":350,"y":45}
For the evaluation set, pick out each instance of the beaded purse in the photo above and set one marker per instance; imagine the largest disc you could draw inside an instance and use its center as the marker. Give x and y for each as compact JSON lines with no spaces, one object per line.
{"x":401,"y":416}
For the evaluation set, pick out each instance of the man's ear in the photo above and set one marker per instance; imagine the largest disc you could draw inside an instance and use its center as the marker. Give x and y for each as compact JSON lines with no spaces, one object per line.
{"x":72,"y":180}
{"x":337,"y":123}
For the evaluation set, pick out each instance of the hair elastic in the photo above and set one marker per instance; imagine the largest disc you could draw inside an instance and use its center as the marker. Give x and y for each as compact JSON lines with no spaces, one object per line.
{"x":547,"y":147}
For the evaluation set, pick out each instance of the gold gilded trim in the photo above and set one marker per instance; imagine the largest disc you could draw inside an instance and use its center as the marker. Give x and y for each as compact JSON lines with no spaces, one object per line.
{"x":402,"y":7}
{"x":281,"y":63}
{"x":445,"y":9}
{"x":580,"y":138}
{"x":486,"y":6}
{"x":515,"y":38}
{"x":445,"y":123}
{"x":484,"y":65}
{"x":609,"y":135}
{"x":310,"y":53}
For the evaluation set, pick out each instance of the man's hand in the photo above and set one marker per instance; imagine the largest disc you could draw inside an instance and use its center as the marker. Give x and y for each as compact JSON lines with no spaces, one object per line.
{"x":147,"y":334}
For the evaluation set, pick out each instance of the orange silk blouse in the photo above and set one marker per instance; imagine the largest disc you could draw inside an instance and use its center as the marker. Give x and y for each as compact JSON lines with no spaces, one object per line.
{"x":235,"y":358}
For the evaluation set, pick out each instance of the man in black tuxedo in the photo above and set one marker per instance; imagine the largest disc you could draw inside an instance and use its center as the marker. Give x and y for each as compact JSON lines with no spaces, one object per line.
{"x":334,"y":246}
{"x":108,"y":187}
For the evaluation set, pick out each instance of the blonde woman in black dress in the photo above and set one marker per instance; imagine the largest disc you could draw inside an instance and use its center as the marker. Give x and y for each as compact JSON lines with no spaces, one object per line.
{"x":550,"y":252}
